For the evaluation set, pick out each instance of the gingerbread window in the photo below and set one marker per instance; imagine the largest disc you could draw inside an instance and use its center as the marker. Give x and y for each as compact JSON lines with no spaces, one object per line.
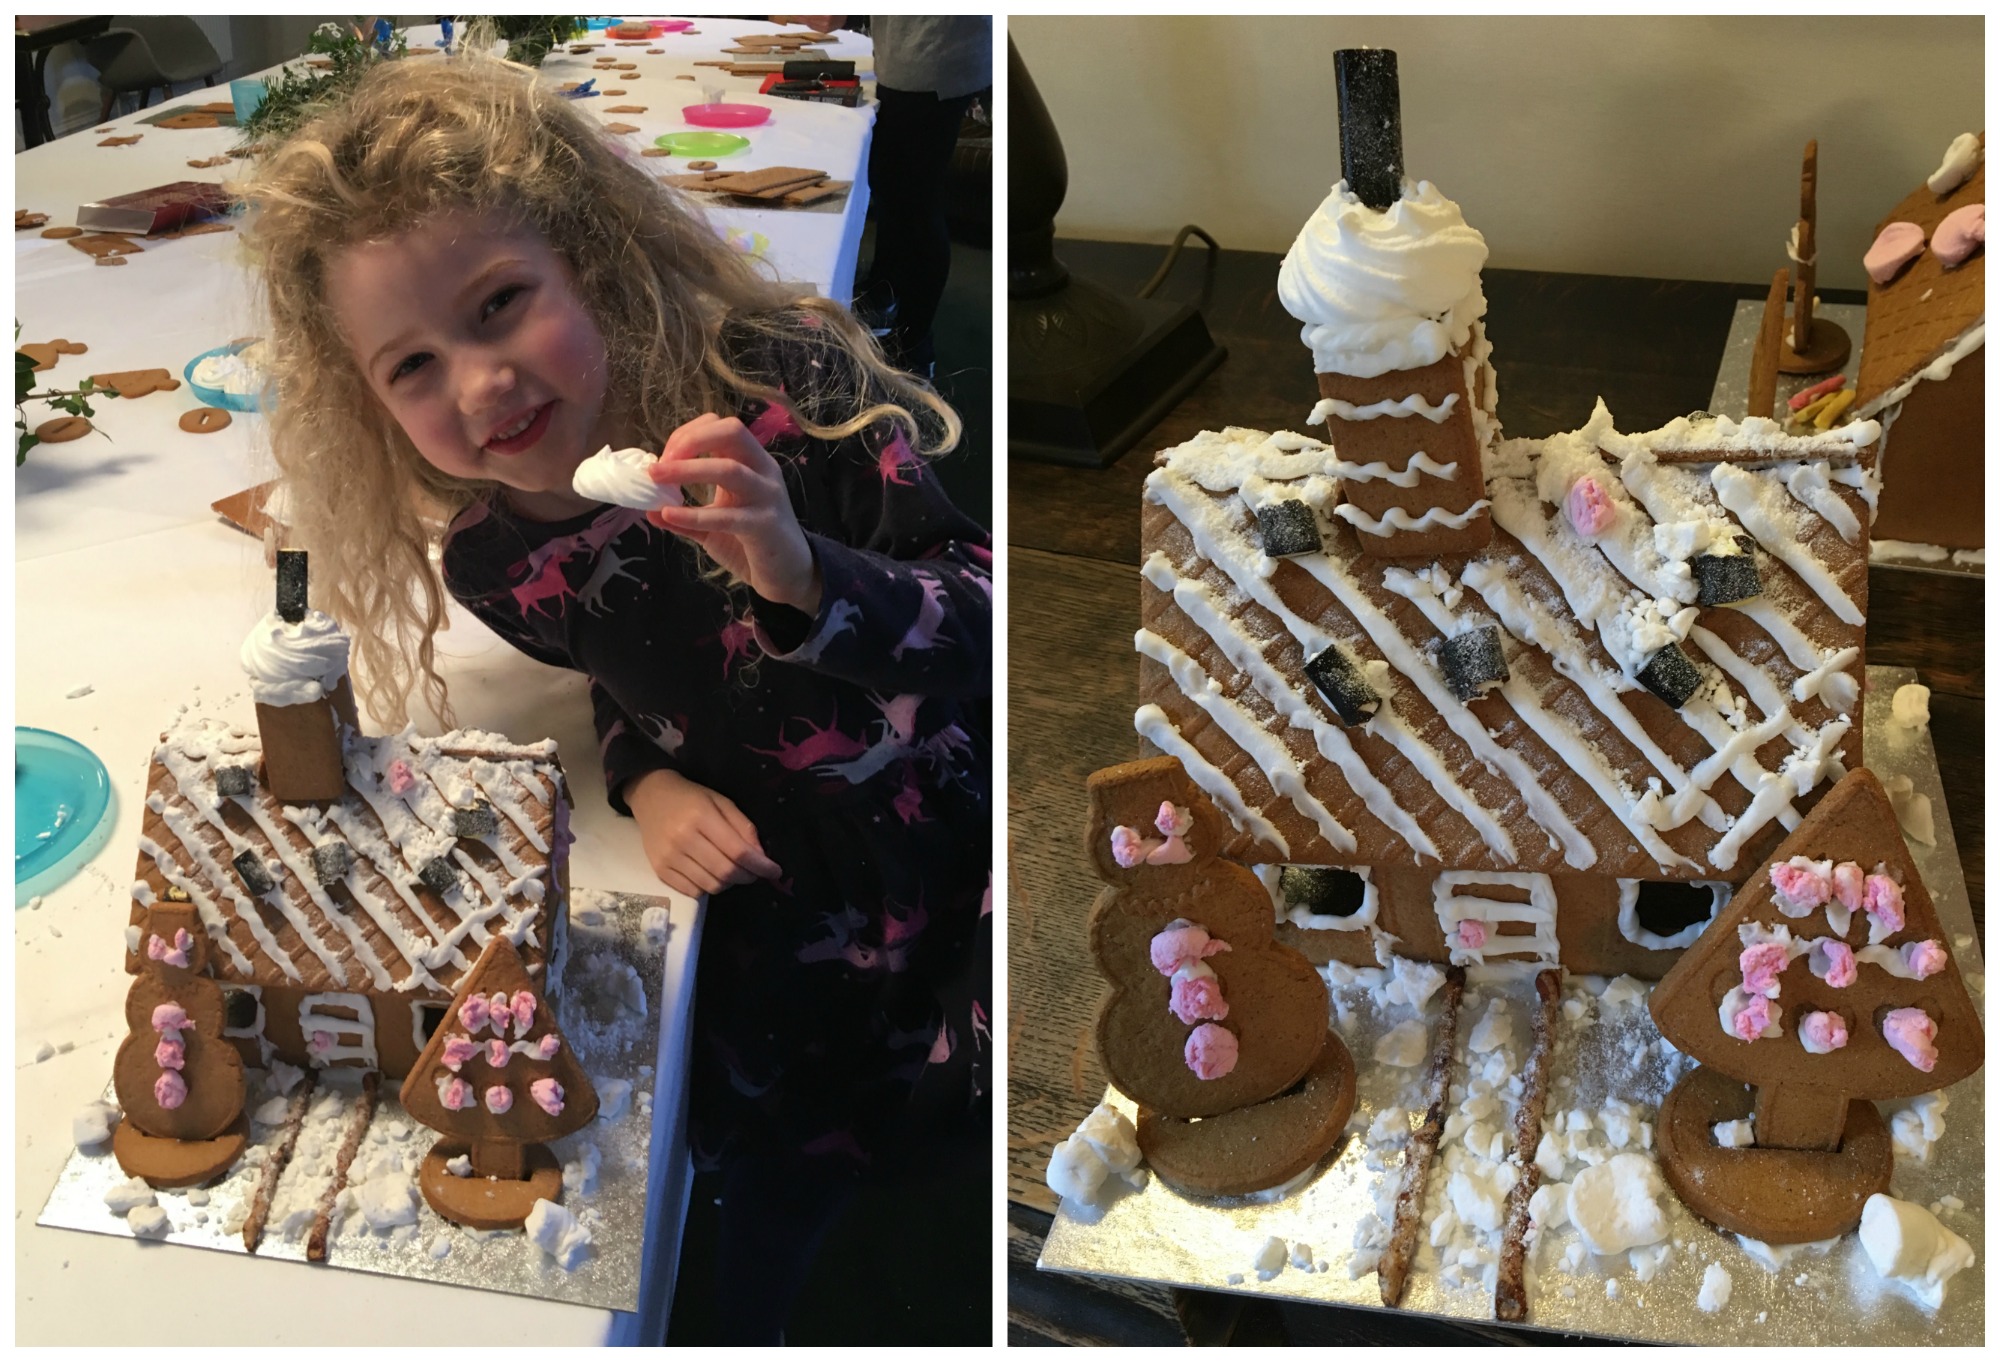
{"x":1668,"y":915}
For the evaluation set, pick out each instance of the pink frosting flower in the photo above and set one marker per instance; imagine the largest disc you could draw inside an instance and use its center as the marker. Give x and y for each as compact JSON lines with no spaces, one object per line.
{"x":1833,"y":961}
{"x":1801,"y":885}
{"x":1128,"y":848}
{"x":170,"y":1089}
{"x":1913,"y":1035}
{"x":170,"y":1017}
{"x":1590,"y":508}
{"x":1822,"y":1032}
{"x":546,"y":1047}
{"x":499,"y":1013}
{"x":1179,"y":943}
{"x":401,"y":777}
{"x":524,"y":1011}
{"x":1925,"y":958}
{"x":1761,"y":966}
{"x":499,"y":1099}
{"x":1173,"y":821}
{"x":1847,"y":881}
{"x":455,"y":1094}
{"x":497,"y":1053}
{"x":457,"y":1049}
{"x":472,"y":1012}
{"x":170,"y":1054}
{"x":1211,"y":1051}
{"x":1883,"y":898}
{"x":1472,"y":934}
{"x":1755,"y":1018}
{"x":176,"y":954}
{"x":1198,"y":999}
{"x":1961,"y":233}
{"x":548,"y":1095}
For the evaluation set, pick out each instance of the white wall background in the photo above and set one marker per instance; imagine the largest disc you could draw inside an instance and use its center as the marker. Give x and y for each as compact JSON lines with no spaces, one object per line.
{"x":1655,"y":147}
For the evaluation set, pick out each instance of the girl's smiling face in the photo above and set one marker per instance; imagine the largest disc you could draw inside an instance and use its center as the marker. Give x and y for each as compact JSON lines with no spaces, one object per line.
{"x":471,"y":334}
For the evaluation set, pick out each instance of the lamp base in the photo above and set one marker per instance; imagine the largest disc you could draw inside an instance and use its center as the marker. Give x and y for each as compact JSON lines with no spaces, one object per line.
{"x":1091,"y":372}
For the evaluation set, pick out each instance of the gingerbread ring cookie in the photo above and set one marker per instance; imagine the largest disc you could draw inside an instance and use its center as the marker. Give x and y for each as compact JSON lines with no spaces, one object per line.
{"x":204,"y":420}
{"x":701,"y":165}
{"x":63,"y":429}
{"x":61,"y":233}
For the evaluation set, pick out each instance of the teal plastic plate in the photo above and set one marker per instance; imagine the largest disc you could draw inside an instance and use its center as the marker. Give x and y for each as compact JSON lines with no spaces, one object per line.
{"x":702,"y":143}
{"x":215,"y":397}
{"x":63,"y":810}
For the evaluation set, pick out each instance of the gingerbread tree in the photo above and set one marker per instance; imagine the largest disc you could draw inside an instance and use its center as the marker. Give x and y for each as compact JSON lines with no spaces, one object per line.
{"x":179,"y":1082}
{"x":1217,"y":1031}
{"x":498,"y":1081}
{"x":1826,"y":979}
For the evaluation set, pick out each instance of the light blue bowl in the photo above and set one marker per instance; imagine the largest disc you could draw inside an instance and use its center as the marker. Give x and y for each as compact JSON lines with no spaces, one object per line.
{"x":63,"y":810}
{"x":215,"y":397}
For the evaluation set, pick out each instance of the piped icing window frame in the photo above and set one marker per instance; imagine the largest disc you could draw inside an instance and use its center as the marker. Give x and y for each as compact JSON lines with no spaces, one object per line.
{"x":1628,"y":915}
{"x":255,"y":1030}
{"x":361,"y":1026}
{"x":1454,"y":907}
{"x":1363,"y":918}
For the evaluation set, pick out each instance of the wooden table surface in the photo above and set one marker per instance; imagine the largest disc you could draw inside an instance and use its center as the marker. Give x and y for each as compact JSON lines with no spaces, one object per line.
{"x":1651,"y":349}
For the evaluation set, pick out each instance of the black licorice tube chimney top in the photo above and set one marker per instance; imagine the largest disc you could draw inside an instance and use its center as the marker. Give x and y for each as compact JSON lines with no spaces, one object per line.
{"x":1371,"y":124}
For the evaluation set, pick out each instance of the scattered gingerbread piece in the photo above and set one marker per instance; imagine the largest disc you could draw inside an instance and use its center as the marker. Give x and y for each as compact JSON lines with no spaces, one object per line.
{"x":656,"y":51}
{"x":656,"y":151}
{"x":614,"y":93}
{"x":109,"y":127}
{"x":701,"y":165}
{"x":110,"y":260}
{"x":63,"y":429}
{"x":104,"y":243}
{"x":137,"y":382}
{"x":210,"y":161}
{"x":188,"y":118}
{"x":46,"y":352}
{"x":204,"y":420}
{"x":23,"y":219}
{"x":62,"y":233}
{"x":684,"y":76}
{"x":133,"y":140}
{"x":626,"y":108}
{"x":625,"y":66}
{"x":621,"y":127}
{"x":201,"y":228}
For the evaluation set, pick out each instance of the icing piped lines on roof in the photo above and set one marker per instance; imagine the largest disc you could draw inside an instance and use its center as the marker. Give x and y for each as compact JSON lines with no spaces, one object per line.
{"x":187,"y":832}
{"x":1156,"y":728}
{"x":211,"y":916}
{"x":1759,"y":507}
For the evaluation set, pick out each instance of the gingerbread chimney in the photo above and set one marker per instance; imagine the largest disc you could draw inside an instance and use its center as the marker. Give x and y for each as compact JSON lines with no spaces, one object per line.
{"x":1385,"y":277}
{"x":297,"y":661}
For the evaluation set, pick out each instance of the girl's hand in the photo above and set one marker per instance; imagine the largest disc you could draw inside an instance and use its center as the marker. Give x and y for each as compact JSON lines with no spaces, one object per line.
{"x":696,"y":841}
{"x":748,"y":526}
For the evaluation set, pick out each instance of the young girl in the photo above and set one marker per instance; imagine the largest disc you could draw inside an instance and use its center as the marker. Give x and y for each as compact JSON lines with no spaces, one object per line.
{"x":471,"y":291}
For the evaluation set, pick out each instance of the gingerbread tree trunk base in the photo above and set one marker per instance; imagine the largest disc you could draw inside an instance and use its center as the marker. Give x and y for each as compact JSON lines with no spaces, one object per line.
{"x":1827,"y":348}
{"x":482,"y":1203}
{"x":1794,"y":1116}
{"x":178,"y":1163}
{"x":1781,"y":1196}
{"x":1258,"y":1146}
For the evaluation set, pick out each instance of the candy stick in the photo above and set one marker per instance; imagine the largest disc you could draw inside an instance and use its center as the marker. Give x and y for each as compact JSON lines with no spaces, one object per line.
{"x":1819,"y":389}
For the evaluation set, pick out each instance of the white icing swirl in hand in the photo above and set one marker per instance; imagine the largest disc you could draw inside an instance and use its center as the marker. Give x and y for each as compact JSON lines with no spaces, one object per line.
{"x":619,"y":476}
{"x":1382,"y":291}
{"x":294,"y":664}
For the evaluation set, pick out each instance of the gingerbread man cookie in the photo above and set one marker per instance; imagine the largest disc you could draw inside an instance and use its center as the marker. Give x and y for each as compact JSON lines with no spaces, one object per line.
{"x":137,"y":382}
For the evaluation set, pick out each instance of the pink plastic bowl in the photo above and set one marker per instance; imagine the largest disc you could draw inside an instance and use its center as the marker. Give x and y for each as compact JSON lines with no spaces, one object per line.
{"x":726,"y":115}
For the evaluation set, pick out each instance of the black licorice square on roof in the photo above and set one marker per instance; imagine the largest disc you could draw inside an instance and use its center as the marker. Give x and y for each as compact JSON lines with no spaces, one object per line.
{"x":1725,"y":581}
{"x":438,"y":874}
{"x":255,"y":877}
{"x":1472,"y":662}
{"x":1333,"y":672}
{"x":232,"y":780}
{"x":330,"y":862}
{"x":1288,"y":528}
{"x":477,"y":821}
{"x":1324,"y":889}
{"x":1669,"y":675}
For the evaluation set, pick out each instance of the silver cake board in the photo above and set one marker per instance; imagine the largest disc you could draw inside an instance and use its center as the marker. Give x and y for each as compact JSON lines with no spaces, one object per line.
{"x":613,"y":981}
{"x":1159,"y":1236}
{"x":1732,"y":398}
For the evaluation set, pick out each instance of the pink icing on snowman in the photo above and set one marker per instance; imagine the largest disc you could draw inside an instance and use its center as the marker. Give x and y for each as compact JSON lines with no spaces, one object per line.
{"x":170,"y":1054}
{"x":1181,"y":942}
{"x":1198,"y":997}
{"x":1211,"y":1051}
{"x":170,"y":1089}
{"x":1174,"y":823}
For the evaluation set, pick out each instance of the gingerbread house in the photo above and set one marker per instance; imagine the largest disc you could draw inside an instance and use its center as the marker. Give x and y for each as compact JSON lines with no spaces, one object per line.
{"x":339,"y":927}
{"x":1922,"y":374}
{"x":1565,"y":747}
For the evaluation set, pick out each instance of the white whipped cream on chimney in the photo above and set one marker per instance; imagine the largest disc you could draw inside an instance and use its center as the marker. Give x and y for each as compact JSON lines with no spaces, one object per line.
{"x":294,"y":664}
{"x":619,"y":476}
{"x":1381,"y":291}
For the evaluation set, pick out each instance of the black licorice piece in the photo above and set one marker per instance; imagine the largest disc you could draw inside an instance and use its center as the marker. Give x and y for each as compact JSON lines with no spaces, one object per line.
{"x":331,"y":862}
{"x":1371,"y":124}
{"x":1472,"y":661}
{"x":1669,"y":675}
{"x":255,"y":877}
{"x":438,"y":874}
{"x":1289,"y":528}
{"x":291,"y":585}
{"x":477,"y":821}
{"x":1324,"y":889}
{"x":232,"y":780}
{"x":1341,"y":682}
{"x":1724,"y":581}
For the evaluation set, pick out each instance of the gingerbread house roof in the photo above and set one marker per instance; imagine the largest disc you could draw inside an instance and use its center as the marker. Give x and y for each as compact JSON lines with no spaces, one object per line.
{"x":1927,"y":312}
{"x":447,"y":841}
{"x":1570,"y":764}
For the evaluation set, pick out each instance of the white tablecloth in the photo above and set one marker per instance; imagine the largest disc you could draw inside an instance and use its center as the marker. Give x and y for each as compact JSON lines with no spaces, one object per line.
{"x":127,"y":583}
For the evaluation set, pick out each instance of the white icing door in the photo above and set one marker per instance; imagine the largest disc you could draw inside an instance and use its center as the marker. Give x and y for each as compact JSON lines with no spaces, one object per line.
{"x":338,"y":1027}
{"x":1455,"y":893}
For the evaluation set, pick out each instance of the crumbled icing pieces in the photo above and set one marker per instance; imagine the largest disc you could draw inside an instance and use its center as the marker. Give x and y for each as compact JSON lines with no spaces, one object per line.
{"x":1961,"y":158}
{"x":1911,"y":1247}
{"x":1615,"y":1205}
{"x":92,"y":1126}
{"x":1910,"y":707}
{"x":1715,"y":1286}
{"x":1099,"y":1160}
{"x":557,"y":1233}
{"x":1913,"y":810}
{"x":1918,"y":1125}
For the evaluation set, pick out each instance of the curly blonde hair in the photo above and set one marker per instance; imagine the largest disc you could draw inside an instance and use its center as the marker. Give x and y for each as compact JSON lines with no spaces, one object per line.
{"x":472,"y":132}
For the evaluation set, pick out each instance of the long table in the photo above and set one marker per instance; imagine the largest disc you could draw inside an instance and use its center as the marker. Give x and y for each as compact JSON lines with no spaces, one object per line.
{"x":133,"y":598}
